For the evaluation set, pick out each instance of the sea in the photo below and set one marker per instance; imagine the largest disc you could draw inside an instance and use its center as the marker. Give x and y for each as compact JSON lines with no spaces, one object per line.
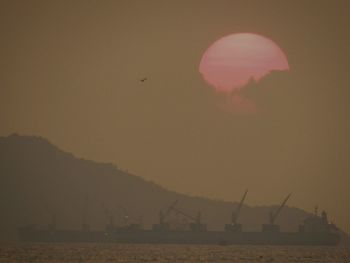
{"x":57,"y":253}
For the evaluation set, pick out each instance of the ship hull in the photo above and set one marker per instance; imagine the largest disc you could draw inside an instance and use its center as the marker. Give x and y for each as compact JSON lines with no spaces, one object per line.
{"x":181,"y":237}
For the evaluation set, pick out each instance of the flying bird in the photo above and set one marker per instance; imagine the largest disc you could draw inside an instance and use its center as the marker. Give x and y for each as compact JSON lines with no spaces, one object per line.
{"x":143,"y":80}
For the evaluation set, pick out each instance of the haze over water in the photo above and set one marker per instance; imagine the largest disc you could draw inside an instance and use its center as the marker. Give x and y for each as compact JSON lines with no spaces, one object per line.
{"x":73,"y":253}
{"x":103,"y":113}
{"x":71,"y":73}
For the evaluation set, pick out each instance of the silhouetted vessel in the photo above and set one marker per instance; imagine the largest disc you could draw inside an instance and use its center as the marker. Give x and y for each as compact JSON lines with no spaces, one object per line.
{"x":315,"y":230}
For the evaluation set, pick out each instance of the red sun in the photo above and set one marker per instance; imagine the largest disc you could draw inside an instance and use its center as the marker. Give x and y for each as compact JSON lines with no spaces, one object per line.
{"x":230,"y":62}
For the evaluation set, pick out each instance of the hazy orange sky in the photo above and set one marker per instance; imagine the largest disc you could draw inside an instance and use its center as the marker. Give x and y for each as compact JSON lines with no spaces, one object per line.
{"x":70,"y":72}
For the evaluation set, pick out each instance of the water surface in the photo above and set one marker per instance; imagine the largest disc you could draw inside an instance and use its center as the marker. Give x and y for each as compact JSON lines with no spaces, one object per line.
{"x":168,"y":253}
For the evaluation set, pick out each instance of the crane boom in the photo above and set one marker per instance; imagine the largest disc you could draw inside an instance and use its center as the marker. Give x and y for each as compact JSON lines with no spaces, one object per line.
{"x":171,"y":207}
{"x":183,"y":213}
{"x":236,"y":214}
{"x":241,"y":203}
{"x":274,"y":215}
{"x":163,"y":215}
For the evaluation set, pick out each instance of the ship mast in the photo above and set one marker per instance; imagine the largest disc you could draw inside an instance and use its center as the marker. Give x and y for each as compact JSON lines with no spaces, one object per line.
{"x":85,"y":225}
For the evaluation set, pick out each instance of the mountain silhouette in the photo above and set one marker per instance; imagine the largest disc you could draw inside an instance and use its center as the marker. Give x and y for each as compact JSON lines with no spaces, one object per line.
{"x":38,"y":180}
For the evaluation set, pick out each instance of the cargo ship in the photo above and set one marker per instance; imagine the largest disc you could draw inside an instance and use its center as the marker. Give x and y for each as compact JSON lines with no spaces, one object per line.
{"x":315,"y":230}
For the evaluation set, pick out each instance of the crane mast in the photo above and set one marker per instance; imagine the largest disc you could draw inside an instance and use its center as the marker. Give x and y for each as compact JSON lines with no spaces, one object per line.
{"x":196,"y":224}
{"x":164,"y":226}
{"x":274,"y":215}
{"x":196,"y":219}
{"x":235,"y":214}
{"x":163,"y":215}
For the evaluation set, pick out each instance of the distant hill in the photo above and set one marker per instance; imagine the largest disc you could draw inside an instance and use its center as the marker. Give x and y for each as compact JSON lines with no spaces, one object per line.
{"x":38,"y":180}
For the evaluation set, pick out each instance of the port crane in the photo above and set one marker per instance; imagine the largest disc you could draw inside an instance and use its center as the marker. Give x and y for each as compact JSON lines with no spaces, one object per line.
{"x":235,"y":214}
{"x":272,"y":227}
{"x":196,"y":224}
{"x":163,"y":215}
{"x":53,"y":223}
{"x":163,"y":225}
{"x":234,"y":226}
{"x":274,"y":215}
{"x":110,"y":215}
{"x":196,"y":219}
{"x":84,"y":220}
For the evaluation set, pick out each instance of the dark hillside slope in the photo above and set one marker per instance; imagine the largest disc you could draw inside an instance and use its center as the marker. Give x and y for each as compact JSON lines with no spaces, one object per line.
{"x":37,"y":179}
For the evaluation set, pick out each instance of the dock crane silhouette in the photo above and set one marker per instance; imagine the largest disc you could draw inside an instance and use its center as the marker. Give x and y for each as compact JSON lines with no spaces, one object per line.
{"x":272,"y":227}
{"x":235,"y":214}
{"x":274,"y":214}
{"x":235,"y":226}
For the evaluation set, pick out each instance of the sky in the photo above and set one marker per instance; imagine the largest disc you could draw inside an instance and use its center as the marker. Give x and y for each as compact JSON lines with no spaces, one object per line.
{"x":70,"y":72}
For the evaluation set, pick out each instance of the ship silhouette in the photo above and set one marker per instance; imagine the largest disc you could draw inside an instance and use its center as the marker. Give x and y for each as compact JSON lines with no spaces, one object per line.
{"x":315,"y":230}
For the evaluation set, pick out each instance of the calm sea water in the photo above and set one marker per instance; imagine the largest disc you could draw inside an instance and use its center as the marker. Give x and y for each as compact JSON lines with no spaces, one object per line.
{"x":168,"y":253}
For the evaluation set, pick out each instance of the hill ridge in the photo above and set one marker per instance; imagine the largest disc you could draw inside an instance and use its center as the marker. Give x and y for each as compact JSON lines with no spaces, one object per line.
{"x":37,"y":178}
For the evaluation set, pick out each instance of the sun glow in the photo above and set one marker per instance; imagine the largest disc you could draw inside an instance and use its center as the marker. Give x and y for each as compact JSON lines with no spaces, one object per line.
{"x":230,"y":62}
